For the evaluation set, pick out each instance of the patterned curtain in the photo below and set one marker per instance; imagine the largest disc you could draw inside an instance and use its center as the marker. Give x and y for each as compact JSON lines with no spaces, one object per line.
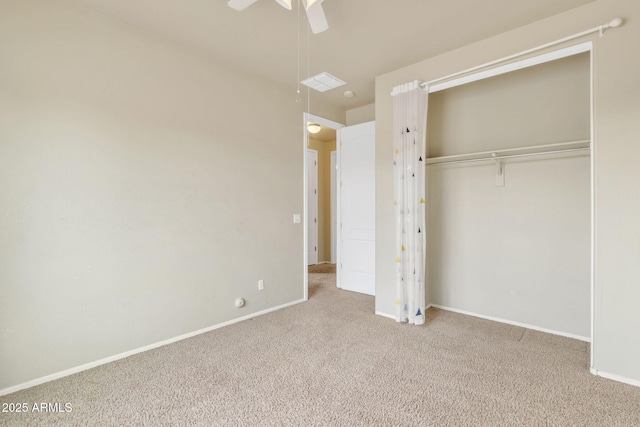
{"x":409,"y":144}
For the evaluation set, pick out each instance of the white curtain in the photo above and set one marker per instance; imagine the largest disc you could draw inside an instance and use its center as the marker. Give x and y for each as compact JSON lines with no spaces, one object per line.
{"x":409,"y":145}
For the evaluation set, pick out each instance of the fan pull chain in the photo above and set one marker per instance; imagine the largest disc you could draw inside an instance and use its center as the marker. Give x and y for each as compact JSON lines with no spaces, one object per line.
{"x":308,"y":63}
{"x":298,"y":99}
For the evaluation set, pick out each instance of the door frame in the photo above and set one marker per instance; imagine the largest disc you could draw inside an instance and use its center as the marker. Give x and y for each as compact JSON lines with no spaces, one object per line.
{"x":334,"y":201}
{"x":307,"y":117}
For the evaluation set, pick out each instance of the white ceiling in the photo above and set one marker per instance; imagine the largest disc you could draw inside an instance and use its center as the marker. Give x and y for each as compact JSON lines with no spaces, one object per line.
{"x":366,"y":38}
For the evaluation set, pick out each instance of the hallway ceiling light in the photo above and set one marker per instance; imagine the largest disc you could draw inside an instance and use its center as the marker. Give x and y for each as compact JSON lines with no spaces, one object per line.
{"x":314,"y":127}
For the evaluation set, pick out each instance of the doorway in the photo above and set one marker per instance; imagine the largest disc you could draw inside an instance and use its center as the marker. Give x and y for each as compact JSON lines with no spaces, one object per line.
{"x":318,"y":198}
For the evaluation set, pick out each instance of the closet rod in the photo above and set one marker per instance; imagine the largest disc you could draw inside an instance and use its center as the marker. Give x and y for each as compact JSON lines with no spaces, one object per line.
{"x":507,"y":150}
{"x":510,"y":156}
{"x":614,"y":23}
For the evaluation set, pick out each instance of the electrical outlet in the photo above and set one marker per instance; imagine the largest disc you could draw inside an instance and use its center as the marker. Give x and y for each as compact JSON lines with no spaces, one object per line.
{"x":260,"y":285}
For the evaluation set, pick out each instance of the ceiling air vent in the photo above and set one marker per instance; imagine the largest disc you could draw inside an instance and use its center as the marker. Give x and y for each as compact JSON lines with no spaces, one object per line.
{"x":323,"y":82}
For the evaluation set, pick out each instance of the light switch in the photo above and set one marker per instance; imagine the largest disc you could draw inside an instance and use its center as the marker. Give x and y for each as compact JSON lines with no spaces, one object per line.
{"x":296,"y":218}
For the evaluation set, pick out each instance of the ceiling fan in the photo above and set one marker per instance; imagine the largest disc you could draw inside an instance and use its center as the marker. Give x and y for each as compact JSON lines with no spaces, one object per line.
{"x":313,"y":8}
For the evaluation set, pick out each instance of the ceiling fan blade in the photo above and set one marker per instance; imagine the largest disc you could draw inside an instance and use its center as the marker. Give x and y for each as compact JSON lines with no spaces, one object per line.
{"x":240,"y":4}
{"x":285,"y":3}
{"x":317,"y":18}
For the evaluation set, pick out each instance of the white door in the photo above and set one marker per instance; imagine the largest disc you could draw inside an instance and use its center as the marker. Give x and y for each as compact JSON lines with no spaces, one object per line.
{"x":312,"y":206}
{"x":334,"y":207}
{"x":356,"y":253}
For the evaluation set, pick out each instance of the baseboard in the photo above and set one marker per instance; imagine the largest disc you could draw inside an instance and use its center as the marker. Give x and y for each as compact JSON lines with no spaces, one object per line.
{"x":511,"y":322}
{"x":392,"y":316}
{"x":614,"y":377}
{"x":110,"y":359}
{"x":389,"y":316}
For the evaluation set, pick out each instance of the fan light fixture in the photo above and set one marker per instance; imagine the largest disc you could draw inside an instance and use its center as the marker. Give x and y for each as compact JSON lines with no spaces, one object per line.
{"x":313,"y":9}
{"x":314,"y":128}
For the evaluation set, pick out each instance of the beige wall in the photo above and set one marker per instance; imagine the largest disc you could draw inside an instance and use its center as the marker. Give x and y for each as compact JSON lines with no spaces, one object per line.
{"x":324,"y":149}
{"x":616,"y":348}
{"x":543,"y":104}
{"x":366,"y":113}
{"x":136,"y":203}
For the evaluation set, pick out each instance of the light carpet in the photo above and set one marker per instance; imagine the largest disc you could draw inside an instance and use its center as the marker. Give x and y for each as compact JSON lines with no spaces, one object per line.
{"x":331,"y":361}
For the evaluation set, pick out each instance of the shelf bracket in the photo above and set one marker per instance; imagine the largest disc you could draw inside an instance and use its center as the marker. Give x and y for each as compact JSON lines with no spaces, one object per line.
{"x":499,"y":171}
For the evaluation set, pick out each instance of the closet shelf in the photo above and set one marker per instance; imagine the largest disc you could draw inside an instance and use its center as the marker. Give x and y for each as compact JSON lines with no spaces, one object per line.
{"x":509,"y":153}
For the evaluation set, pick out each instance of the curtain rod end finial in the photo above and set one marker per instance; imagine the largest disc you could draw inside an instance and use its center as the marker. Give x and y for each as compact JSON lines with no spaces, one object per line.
{"x":615,"y":23}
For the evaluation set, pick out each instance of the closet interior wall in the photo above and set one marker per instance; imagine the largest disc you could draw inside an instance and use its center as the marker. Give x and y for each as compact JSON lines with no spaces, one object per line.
{"x":518,"y":252}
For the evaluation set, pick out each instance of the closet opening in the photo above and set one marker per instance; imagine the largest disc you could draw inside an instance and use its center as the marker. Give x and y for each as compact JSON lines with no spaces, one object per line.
{"x":509,"y":193}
